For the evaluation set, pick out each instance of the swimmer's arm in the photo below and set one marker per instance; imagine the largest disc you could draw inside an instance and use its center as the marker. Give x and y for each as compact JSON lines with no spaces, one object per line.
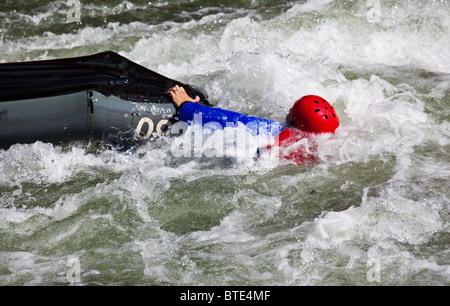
{"x":180,"y":96}
{"x":188,"y":108}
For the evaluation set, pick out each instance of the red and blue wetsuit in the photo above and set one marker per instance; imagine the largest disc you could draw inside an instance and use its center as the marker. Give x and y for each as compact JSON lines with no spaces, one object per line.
{"x":285,"y":136}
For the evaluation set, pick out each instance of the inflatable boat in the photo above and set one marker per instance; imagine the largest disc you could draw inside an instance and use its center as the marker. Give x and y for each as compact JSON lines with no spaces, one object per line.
{"x":103,"y":96}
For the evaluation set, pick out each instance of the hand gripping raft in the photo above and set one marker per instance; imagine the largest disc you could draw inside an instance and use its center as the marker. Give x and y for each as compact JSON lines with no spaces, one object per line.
{"x":82,"y":98}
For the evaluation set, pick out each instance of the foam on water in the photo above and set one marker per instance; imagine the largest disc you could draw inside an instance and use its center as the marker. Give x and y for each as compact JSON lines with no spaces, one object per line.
{"x":378,"y":198}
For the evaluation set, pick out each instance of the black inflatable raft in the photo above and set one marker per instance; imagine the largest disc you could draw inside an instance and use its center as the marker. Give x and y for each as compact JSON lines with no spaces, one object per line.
{"x":89,"y":97}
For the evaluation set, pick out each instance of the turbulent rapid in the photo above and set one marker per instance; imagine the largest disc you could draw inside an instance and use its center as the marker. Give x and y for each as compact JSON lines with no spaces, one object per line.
{"x":374,"y":210}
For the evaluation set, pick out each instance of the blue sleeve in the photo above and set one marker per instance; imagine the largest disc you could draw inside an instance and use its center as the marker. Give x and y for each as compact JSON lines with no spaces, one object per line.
{"x":201,"y":114}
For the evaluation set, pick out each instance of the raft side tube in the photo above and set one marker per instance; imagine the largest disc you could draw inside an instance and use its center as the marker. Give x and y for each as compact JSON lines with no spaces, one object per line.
{"x":80,"y":116}
{"x":112,"y":112}
{"x":55,"y":119}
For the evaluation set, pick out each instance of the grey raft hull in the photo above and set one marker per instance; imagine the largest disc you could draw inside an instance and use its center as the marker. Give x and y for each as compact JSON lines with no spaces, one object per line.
{"x":104,"y":97}
{"x":80,"y":116}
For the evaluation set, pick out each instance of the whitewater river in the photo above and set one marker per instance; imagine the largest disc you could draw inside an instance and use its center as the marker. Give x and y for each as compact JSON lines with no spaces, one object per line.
{"x":373,"y":211}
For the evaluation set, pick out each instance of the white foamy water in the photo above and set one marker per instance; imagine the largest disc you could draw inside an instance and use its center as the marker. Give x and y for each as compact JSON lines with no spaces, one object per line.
{"x":373,"y":211}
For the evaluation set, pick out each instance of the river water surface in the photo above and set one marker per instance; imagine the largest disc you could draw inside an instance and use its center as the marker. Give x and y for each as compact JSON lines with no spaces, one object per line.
{"x":374,"y":210}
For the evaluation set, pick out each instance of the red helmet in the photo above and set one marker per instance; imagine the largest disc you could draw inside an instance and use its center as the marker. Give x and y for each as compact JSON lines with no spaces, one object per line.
{"x":313,"y":114}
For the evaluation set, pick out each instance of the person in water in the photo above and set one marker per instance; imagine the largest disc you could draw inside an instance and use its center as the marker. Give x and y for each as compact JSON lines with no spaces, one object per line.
{"x":308,"y":116}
